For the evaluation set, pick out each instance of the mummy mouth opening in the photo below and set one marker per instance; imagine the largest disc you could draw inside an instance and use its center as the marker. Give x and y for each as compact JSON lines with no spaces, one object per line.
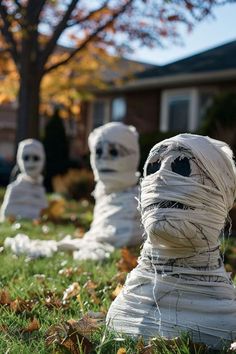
{"x":31,"y":168}
{"x":167,"y":204}
{"x":106,"y":170}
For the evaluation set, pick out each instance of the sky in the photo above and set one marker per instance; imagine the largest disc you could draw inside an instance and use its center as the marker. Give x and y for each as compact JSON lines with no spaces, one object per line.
{"x":207,"y":34}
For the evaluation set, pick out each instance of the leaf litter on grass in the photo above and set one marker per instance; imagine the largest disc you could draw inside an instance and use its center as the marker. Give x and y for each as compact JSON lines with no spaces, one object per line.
{"x":74,"y":335}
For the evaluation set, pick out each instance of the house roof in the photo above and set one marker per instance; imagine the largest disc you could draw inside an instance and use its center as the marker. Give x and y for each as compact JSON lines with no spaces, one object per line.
{"x":213,"y":65}
{"x":218,"y":58}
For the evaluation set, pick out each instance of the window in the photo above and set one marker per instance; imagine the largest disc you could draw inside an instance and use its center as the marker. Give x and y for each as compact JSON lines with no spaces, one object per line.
{"x":118,"y":109}
{"x":179,"y":110}
{"x":100,"y":112}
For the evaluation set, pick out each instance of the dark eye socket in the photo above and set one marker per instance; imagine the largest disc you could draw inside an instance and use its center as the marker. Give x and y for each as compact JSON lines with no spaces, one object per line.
{"x":181,"y":166}
{"x":31,"y":157}
{"x":153,"y":167}
{"x":99,"y":152}
{"x":113,"y":152}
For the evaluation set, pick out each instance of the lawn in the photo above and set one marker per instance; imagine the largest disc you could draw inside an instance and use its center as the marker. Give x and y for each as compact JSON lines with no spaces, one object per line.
{"x":57,"y":305}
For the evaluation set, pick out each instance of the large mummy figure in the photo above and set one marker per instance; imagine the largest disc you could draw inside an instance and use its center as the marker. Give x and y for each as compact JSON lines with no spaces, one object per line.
{"x":180,"y":283}
{"x":25,"y":197}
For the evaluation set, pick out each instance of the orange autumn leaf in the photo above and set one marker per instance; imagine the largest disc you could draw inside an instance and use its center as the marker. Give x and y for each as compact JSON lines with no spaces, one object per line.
{"x":5,"y":297}
{"x":34,"y":325}
{"x":55,"y":210}
{"x":116,"y":292}
{"x":127,"y":262}
{"x":121,"y":351}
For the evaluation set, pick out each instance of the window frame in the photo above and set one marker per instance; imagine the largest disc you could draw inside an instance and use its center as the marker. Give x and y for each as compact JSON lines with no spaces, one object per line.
{"x":193,"y":116}
{"x":107,"y":110}
{"x":111,"y":112}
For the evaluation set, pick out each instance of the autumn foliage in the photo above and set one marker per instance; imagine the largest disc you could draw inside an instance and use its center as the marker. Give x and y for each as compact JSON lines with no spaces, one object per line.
{"x":31,"y":30}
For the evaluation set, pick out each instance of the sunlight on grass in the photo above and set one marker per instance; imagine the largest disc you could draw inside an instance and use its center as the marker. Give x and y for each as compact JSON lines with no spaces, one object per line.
{"x":31,"y":293}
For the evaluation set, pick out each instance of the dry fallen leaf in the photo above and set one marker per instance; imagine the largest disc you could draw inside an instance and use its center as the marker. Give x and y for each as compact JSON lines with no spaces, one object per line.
{"x":88,"y":324}
{"x":20,"y":305}
{"x":55,"y":210}
{"x":127,"y":262}
{"x":121,"y":351}
{"x":120,"y":277}
{"x":79,"y":232}
{"x":71,"y":291}
{"x":90,"y":286}
{"x":34,"y":325}
{"x":5,"y":297}
{"x":3,"y":328}
{"x":74,"y":335}
{"x":116,"y":292}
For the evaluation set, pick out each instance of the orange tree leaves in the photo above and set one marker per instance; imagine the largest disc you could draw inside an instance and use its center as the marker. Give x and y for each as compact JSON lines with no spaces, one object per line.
{"x":92,"y":30}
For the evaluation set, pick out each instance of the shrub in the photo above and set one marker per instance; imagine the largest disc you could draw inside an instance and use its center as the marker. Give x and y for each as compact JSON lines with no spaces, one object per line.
{"x":56,"y":149}
{"x":220,"y":119}
{"x":76,"y":184}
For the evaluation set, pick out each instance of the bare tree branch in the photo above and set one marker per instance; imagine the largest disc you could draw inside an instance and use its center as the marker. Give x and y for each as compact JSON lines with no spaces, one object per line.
{"x":18,"y":4}
{"x":57,"y":33}
{"x":89,"y":38}
{"x":90,"y":14}
{"x":6,"y":31}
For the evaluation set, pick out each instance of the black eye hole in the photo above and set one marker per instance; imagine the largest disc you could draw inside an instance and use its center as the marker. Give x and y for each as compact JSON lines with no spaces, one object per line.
{"x":113,"y":152}
{"x":99,"y":152}
{"x":153,"y":167}
{"x":181,"y":166}
{"x":35,"y":158}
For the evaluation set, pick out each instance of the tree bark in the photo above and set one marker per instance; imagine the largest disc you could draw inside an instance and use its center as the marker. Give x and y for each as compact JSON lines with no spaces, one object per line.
{"x":28,"y":107}
{"x":30,"y":81}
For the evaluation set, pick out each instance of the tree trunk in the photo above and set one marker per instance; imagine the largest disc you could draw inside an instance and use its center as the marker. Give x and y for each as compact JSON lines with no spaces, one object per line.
{"x":30,"y":81}
{"x":28,"y":107}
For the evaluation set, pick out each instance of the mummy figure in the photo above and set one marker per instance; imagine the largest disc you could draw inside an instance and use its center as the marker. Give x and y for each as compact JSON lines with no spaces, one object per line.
{"x":114,"y":159}
{"x":25,"y":197}
{"x":180,"y":284}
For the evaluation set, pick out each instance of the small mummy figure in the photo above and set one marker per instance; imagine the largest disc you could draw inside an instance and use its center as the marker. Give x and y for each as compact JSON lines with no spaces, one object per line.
{"x":25,"y":197}
{"x":180,"y":284}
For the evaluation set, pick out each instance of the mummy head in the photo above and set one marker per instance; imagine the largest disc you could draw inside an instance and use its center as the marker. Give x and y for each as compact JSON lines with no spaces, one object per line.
{"x":188,"y":188}
{"x":114,"y":149}
{"x":31,"y":157}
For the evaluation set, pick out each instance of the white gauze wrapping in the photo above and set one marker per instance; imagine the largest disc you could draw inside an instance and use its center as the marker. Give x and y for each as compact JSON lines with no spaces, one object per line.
{"x":180,"y":283}
{"x":25,"y":197}
{"x":114,"y":159}
{"x":21,"y":244}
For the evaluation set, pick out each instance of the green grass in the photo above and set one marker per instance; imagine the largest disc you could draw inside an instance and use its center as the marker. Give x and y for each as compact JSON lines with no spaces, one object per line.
{"x":39,"y":285}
